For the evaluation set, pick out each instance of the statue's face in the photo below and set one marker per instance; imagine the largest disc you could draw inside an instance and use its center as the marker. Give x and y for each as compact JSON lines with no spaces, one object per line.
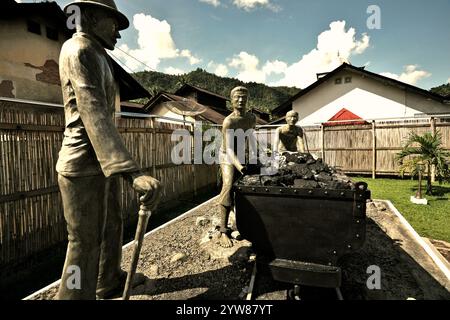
{"x":239,"y":100}
{"x":291,"y":119}
{"x":107,"y":30}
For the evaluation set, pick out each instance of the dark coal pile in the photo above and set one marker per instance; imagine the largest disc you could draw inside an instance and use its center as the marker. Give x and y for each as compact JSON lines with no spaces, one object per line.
{"x":299,"y":170}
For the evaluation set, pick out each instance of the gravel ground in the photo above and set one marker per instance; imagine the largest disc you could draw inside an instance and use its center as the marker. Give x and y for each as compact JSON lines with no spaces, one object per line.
{"x":180,"y":262}
{"x":400,"y":259}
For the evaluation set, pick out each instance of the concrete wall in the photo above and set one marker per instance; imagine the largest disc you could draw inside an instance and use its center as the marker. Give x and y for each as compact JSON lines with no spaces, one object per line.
{"x":29,"y":62}
{"x":365,"y":97}
{"x":161,"y":110}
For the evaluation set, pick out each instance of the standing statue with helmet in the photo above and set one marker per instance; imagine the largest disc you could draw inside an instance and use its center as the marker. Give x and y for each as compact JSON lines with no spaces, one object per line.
{"x":93,"y":157}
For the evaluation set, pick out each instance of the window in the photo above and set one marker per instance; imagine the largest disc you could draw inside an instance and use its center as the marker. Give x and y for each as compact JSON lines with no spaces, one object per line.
{"x":33,"y":27}
{"x":338,"y":81}
{"x":52,"y":33}
{"x":348,"y":79}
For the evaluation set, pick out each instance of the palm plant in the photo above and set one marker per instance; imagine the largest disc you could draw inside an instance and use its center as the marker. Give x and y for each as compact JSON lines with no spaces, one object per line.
{"x":415,"y":167}
{"x":420,"y":153}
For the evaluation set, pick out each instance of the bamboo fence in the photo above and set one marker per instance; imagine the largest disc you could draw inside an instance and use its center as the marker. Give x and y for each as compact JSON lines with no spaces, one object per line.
{"x":31,"y":215}
{"x":366,"y":149}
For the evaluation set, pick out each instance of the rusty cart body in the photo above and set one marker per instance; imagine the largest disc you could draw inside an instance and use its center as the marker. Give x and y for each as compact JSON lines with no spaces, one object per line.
{"x":300,"y":234}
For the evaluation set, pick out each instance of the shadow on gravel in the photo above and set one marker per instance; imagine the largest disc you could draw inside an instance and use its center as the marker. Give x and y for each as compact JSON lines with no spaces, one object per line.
{"x":401,"y":276}
{"x":220,"y":284}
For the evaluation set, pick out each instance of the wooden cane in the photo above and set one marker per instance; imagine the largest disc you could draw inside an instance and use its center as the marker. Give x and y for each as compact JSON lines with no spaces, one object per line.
{"x":144,"y":216}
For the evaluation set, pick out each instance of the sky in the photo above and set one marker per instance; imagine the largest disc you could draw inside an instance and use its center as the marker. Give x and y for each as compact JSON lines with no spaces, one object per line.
{"x":286,"y":42}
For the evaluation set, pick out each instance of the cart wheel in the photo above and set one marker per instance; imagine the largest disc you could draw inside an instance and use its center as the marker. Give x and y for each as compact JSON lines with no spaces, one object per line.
{"x":294,"y":294}
{"x":361,"y":186}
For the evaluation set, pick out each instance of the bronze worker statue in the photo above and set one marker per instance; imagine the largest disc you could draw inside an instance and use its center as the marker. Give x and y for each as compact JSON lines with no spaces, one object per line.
{"x":230,"y":164}
{"x":93,"y":156}
{"x":289,"y":138}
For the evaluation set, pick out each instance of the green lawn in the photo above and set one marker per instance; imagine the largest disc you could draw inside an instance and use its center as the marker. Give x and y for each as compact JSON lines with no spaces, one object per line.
{"x":432,"y":221}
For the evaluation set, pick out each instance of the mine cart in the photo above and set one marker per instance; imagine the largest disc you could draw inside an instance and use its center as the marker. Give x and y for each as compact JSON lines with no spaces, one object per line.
{"x":300,"y":234}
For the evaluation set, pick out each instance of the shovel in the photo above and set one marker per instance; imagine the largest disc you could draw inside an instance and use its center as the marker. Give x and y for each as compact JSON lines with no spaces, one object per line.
{"x":144,"y":215}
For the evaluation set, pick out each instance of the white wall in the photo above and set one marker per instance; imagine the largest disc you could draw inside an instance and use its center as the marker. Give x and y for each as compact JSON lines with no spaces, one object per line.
{"x":161,"y":110}
{"x":363,"y":104}
{"x":365,"y":97}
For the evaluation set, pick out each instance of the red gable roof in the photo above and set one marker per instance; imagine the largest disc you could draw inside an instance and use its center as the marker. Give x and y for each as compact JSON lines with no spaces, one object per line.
{"x":342,"y":115}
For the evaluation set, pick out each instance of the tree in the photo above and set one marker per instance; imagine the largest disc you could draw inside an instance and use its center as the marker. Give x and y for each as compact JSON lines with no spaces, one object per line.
{"x":415,"y":167}
{"x":420,"y":153}
{"x":182,"y":80}
{"x":154,"y":90}
{"x":443,"y":90}
{"x":260,"y":95}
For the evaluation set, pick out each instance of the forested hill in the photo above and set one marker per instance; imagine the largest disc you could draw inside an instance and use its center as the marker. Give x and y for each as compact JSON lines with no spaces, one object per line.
{"x":443,"y":90}
{"x":262,"y":97}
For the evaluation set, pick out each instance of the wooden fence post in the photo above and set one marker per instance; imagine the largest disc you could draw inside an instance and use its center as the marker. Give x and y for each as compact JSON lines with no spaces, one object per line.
{"x":433,"y":131}
{"x":152,"y":123}
{"x":322,"y":142}
{"x":192,"y":126}
{"x":374,"y":150}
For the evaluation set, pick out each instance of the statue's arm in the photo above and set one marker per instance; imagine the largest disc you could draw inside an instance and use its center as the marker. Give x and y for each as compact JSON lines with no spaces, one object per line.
{"x":301,"y":141}
{"x":88,"y":84}
{"x":254,"y":144}
{"x":276,"y":141}
{"x":228,"y":135}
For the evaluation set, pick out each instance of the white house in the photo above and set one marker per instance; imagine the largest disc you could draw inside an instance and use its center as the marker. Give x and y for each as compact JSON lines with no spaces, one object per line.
{"x":353,"y":92}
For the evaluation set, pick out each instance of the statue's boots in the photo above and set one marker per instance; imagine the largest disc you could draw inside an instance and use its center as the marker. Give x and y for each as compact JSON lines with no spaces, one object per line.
{"x":109,"y":288}
{"x":111,"y":278}
{"x":116,"y":288}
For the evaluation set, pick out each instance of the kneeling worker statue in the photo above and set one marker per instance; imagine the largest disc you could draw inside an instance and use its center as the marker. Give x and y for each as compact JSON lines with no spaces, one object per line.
{"x":93,"y":156}
{"x":289,"y":138}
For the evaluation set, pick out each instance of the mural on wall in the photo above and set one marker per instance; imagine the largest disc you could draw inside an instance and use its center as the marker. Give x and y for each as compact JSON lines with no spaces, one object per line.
{"x":49,"y":74}
{"x":6,"y":89}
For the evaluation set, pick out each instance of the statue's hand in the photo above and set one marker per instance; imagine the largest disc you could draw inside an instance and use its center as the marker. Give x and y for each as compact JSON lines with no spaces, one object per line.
{"x":149,"y":190}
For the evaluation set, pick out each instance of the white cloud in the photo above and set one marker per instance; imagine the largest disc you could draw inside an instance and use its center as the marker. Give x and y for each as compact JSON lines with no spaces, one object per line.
{"x":218,"y":68}
{"x":155,"y":43}
{"x":174,"y":71}
{"x":249,"y":69}
{"x":249,"y":5}
{"x":214,"y":3}
{"x":247,"y":65}
{"x":276,"y":67}
{"x":334,"y":46}
{"x":448,"y":81}
{"x":410,"y":75}
{"x":221,"y":70}
{"x":187,"y":54}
